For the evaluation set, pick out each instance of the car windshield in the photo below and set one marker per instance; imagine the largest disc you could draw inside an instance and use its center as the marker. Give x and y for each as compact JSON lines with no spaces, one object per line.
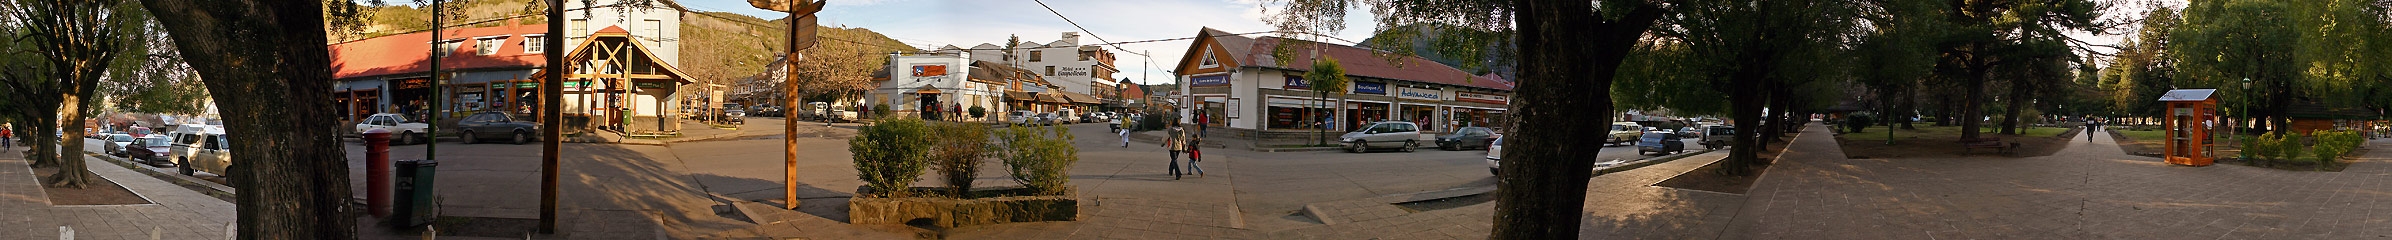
{"x":154,"y":142}
{"x":120,"y":138}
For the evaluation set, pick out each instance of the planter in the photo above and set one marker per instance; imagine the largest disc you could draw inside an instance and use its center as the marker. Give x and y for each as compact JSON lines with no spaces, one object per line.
{"x":986,"y":206}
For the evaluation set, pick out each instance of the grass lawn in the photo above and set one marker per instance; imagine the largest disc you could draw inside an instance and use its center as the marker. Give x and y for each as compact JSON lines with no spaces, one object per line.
{"x":1941,"y":132}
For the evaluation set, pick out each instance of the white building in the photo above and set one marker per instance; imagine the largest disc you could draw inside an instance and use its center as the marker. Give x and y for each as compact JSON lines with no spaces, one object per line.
{"x":657,"y":26}
{"x":1074,"y":68}
{"x":1242,"y":90}
{"x":936,"y":83}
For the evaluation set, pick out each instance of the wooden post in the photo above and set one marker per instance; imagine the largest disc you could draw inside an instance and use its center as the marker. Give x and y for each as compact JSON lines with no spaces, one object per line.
{"x":551,"y":115}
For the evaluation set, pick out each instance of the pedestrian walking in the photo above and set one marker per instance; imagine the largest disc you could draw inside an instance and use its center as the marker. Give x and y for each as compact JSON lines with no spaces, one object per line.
{"x":1196,"y":154}
{"x":1176,"y":143}
{"x":1124,"y":130}
{"x":1204,"y":122}
{"x":5,"y":139}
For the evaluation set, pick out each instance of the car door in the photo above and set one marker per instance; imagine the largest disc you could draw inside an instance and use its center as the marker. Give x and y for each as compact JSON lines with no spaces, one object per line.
{"x":479,"y":123}
{"x":214,"y":155}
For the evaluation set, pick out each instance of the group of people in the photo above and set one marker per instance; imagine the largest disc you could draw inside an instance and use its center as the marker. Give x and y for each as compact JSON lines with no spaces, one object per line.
{"x":1182,"y":141}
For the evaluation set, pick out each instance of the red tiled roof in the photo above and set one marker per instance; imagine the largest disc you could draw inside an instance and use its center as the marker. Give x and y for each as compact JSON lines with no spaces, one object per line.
{"x":613,"y":29}
{"x":1253,"y":52}
{"x":1132,"y":91}
{"x":406,"y":53}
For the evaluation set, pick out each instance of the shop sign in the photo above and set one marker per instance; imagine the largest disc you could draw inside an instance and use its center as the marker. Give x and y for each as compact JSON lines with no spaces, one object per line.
{"x":1209,"y":80}
{"x":415,"y":83}
{"x":1420,"y":93}
{"x":1371,"y":88}
{"x":930,"y":70}
{"x":1072,"y":71}
{"x":1480,"y":98}
{"x":648,"y":85}
{"x":1297,"y":83}
{"x":1291,"y":102}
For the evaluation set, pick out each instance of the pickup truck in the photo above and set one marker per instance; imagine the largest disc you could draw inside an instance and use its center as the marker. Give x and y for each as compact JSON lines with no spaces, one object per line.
{"x":402,"y":132}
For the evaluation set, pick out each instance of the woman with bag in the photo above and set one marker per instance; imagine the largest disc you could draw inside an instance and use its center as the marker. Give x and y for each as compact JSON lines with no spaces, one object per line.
{"x":1176,"y":143}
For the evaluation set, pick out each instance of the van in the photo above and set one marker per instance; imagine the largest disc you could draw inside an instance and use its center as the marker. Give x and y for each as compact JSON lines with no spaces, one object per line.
{"x":208,"y":151}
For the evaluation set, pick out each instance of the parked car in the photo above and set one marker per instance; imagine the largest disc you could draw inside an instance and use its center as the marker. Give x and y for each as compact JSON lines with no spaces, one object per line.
{"x":1689,"y":132}
{"x":1716,"y":137}
{"x":496,"y":124}
{"x":1063,"y":116}
{"x":1020,"y":117}
{"x":1401,"y":135}
{"x":734,"y":116}
{"x":402,"y":132}
{"x":1624,"y":133}
{"x":1466,"y":138}
{"x":151,"y":150}
{"x":1495,"y":156}
{"x":203,"y":152}
{"x":1655,"y":142}
{"x":1044,"y":119}
{"x":116,"y":144}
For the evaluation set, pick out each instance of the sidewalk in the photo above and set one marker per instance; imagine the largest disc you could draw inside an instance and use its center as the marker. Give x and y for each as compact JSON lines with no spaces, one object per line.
{"x":175,"y":212}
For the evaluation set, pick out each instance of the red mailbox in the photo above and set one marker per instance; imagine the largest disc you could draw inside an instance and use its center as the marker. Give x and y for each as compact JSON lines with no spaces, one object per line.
{"x":2192,"y":113}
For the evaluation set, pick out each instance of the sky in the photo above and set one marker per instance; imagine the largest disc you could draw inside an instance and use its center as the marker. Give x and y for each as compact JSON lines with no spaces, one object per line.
{"x":928,"y":24}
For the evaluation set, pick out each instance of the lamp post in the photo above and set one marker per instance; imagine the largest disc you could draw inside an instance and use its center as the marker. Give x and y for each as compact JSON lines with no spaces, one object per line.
{"x":2244,"y":107}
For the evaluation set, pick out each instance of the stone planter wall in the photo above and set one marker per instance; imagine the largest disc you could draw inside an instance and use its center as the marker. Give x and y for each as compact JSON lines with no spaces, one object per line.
{"x":956,"y":212}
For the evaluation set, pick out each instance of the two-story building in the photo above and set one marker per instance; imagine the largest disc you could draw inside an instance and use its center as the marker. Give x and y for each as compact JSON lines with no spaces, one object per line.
{"x":1082,"y":73}
{"x":1236,"y":82}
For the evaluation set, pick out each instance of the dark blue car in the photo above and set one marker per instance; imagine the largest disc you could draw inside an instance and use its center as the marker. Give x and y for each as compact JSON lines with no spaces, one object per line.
{"x":1655,"y":142}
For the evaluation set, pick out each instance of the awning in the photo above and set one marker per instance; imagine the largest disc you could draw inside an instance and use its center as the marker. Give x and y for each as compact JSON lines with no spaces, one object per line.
{"x":1019,"y":96}
{"x":1080,"y":98}
{"x":1051,"y":98}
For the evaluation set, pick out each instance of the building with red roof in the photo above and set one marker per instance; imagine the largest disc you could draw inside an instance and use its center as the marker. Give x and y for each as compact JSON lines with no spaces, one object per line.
{"x":392,"y":74}
{"x":1239,"y":86}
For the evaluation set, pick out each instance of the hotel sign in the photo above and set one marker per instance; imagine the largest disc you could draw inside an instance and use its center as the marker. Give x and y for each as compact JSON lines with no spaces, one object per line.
{"x":1480,"y":98}
{"x":1420,"y":93}
{"x":1371,"y":88}
{"x":1297,"y":83}
{"x":1209,"y":80}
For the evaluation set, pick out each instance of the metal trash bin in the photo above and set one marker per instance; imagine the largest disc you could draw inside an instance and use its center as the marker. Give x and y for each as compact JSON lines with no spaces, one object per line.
{"x":414,"y":204}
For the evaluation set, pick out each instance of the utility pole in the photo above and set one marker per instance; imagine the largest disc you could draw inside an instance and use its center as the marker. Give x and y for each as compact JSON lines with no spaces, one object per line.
{"x":551,"y":113}
{"x":432,"y":123}
{"x":801,"y":36}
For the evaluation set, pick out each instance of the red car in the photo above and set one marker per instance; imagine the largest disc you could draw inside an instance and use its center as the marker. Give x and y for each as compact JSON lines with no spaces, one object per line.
{"x":151,"y":150}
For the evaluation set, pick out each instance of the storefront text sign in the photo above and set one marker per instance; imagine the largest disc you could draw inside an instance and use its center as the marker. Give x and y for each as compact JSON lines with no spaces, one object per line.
{"x":1209,"y":80}
{"x":1480,"y":98}
{"x":1420,"y":93}
{"x":1371,"y":88}
{"x":1297,"y":83}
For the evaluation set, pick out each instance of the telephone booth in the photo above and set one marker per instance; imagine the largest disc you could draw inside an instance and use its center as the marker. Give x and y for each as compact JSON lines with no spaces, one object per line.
{"x":2192,"y":113}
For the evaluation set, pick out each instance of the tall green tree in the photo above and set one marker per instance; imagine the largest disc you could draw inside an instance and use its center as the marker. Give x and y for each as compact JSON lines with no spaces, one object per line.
{"x":1761,"y":54}
{"x":294,"y":176}
{"x":2223,"y":42}
{"x":78,"y":39}
{"x":1326,"y":77}
{"x":1568,"y":53}
{"x":1986,"y":35}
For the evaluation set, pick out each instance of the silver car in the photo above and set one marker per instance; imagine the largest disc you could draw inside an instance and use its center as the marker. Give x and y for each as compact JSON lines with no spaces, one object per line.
{"x":1402,"y":135}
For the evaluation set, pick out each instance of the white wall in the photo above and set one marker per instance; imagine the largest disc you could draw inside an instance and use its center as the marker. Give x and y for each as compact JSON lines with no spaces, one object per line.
{"x":667,"y":46}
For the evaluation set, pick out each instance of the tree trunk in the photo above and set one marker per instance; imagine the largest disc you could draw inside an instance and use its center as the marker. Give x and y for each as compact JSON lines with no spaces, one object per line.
{"x":1910,"y":106}
{"x":1569,"y":57}
{"x":45,"y":140}
{"x":1970,"y":110}
{"x":72,"y":171}
{"x":294,"y":176}
{"x":2019,"y":90}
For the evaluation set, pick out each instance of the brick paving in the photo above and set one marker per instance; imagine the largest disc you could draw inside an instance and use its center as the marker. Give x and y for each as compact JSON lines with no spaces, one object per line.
{"x":174,"y":212}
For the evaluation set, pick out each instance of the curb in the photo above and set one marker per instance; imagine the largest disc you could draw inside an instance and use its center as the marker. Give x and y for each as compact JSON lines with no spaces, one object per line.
{"x":210,"y":188}
{"x":1649,"y":162}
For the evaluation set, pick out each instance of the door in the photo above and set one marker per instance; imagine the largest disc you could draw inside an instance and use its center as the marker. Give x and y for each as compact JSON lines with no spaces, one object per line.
{"x":213,"y":155}
{"x":929,"y":106}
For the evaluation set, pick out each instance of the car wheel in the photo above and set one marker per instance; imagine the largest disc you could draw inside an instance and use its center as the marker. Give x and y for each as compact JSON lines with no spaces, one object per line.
{"x":1409,"y":145}
{"x":522,"y":138}
{"x":1358,"y":147}
{"x":1492,"y":171}
{"x":184,"y":165}
{"x":406,"y":138}
{"x":469,"y":139}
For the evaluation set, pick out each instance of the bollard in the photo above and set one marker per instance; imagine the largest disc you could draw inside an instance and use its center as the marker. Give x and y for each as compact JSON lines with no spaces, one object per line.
{"x":377,"y":173}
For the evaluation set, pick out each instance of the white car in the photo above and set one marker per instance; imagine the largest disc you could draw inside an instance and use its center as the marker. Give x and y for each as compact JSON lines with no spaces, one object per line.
{"x":116,"y":144}
{"x":402,"y":132}
{"x":1495,"y":156}
{"x":203,"y":152}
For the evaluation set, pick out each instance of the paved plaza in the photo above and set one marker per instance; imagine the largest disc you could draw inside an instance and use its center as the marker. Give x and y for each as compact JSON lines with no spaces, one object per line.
{"x":688,"y":189}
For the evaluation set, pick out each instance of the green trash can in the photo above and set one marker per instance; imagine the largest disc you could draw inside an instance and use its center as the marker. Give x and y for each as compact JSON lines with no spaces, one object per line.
{"x":414,"y":203}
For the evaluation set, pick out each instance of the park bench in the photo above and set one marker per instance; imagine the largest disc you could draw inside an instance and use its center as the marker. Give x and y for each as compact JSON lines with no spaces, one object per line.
{"x":1971,"y":145}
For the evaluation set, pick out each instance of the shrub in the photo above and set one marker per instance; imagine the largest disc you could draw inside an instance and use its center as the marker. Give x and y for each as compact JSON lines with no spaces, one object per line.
{"x":977,"y":112}
{"x":880,"y":110}
{"x":1039,"y":158}
{"x":957,"y":153}
{"x":1858,"y":121}
{"x":890,"y":155}
{"x":2332,"y":144}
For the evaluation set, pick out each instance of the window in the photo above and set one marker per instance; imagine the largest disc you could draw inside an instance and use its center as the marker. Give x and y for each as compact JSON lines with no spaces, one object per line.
{"x":534,"y":44}
{"x":655,"y":28}
{"x":488,"y":45}
{"x":1035,"y":55}
{"x":1050,"y":70}
{"x":579,"y":27}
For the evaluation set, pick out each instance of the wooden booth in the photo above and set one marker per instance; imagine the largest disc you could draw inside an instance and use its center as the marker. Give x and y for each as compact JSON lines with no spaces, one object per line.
{"x":2192,"y":113}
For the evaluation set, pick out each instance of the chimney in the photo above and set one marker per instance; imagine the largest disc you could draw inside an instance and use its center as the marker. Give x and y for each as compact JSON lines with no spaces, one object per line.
{"x":1072,"y":37}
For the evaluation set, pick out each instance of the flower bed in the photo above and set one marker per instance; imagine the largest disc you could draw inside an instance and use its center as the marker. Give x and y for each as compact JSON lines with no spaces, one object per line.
{"x":979,"y":207}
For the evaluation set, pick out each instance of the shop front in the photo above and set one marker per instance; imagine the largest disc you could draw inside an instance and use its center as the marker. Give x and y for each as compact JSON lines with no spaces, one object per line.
{"x":1288,"y":113}
{"x":1364,"y":112}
